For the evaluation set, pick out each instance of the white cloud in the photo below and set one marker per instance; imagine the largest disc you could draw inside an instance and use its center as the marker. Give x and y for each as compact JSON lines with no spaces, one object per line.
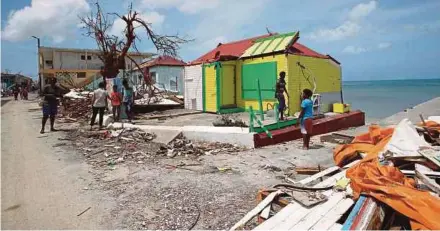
{"x":348,"y":28}
{"x":154,"y":18}
{"x":354,"y":50}
{"x":384,"y":45}
{"x":185,"y":6}
{"x":362,"y":10}
{"x":44,"y":18}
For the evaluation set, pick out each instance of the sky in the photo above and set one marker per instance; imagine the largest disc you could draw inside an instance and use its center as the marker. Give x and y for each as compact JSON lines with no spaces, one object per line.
{"x":374,"y":40}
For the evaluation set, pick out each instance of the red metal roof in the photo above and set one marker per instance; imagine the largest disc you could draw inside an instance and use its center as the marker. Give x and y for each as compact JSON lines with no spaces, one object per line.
{"x":299,"y":49}
{"x":234,"y":50}
{"x":227,"y":50}
{"x":164,"y":60}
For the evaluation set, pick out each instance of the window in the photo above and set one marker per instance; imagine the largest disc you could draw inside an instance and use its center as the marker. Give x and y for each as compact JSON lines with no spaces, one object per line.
{"x":153,"y":77}
{"x":173,"y":85}
{"x":266,"y":73}
{"x":49,"y":62}
{"x":83,"y":57}
{"x":89,"y":57}
{"x":81,"y":75}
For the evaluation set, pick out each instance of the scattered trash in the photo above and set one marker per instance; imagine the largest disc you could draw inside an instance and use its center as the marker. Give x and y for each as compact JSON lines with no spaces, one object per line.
{"x":182,"y":146}
{"x":84,"y":211}
{"x":228,"y":120}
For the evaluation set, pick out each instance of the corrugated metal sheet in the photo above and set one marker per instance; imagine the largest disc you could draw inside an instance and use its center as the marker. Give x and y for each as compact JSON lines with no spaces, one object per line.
{"x":193,"y":87}
{"x":271,"y":44}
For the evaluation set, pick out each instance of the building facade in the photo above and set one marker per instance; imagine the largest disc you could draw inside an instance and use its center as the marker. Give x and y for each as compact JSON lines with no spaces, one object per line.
{"x":232,"y":72}
{"x":75,"y":67}
{"x":165,"y":71}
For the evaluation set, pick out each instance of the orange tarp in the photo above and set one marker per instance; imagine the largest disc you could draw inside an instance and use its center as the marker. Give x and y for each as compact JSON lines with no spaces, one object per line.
{"x":386,"y":183}
{"x":431,"y":125}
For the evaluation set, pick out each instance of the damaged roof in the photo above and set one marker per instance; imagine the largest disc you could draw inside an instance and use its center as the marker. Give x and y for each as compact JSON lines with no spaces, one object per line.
{"x":260,"y":45}
{"x":163,"y":60}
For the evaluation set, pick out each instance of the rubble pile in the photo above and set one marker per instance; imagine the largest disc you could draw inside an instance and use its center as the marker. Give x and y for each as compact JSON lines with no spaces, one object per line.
{"x":182,"y":146}
{"x":76,"y":105}
{"x":111,"y":147}
{"x":229,"y":121}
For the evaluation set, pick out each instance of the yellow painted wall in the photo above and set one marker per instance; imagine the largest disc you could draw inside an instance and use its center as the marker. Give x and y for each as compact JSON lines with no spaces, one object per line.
{"x":327,"y":75}
{"x":211,"y":89}
{"x":281,"y":66}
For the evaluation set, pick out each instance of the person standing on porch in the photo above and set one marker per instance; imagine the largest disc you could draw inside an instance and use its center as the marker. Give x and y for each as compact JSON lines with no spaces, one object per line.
{"x":280,"y":89}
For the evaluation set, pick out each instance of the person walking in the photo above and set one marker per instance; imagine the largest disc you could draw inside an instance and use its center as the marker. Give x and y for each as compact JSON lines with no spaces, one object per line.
{"x":99,"y":105}
{"x":116,"y":99}
{"x":128,"y":99}
{"x":50,"y":104}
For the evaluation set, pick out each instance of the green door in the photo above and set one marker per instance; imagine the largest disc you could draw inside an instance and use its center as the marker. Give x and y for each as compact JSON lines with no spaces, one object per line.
{"x":228,"y":86}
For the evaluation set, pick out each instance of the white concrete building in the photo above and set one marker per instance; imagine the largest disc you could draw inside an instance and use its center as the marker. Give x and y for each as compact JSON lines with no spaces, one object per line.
{"x":81,"y":65}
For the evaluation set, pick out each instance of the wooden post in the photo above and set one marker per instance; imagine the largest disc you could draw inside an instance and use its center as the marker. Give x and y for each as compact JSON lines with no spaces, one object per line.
{"x":260,"y":100}
{"x":251,"y":119}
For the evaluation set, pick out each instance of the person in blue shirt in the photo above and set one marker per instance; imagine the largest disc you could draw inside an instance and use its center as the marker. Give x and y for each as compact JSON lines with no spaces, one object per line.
{"x":305,"y":117}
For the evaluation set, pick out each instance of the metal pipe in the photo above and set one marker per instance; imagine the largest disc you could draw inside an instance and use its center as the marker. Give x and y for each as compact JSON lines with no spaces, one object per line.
{"x":38,"y":64}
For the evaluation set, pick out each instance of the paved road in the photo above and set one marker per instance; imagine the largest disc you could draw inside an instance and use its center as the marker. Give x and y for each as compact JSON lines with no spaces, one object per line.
{"x":43,"y":187}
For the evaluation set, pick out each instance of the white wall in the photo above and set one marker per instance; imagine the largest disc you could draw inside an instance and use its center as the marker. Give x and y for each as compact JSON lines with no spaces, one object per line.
{"x":193,"y":87}
{"x":164,"y":74}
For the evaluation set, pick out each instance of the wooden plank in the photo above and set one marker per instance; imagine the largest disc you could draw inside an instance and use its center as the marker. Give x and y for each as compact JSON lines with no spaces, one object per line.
{"x":254,"y":212}
{"x":431,"y":184}
{"x":266,"y":212}
{"x":291,"y":214}
{"x":428,"y":174}
{"x":432,"y":155}
{"x":354,"y":212}
{"x":319,"y":175}
{"x":318,"y":212}
{"x":330,"y":219}
{"x":336,"y":226}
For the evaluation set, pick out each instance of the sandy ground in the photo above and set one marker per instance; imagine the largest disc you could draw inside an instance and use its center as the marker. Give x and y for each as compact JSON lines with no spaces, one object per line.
{"x":43,"y":187}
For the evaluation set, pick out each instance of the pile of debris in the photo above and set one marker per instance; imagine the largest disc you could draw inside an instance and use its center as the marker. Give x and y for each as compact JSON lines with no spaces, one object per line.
{"x":387,"y":178}
{"x":227,"y":120}
{"x":76,"y":105}
{"x":181,"y":146}
{"x":106,"y":147}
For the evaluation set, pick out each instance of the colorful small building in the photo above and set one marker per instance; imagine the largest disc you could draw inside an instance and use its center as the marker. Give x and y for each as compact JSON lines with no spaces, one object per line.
{"x":165,"y":71}
{"x":229,"y":75}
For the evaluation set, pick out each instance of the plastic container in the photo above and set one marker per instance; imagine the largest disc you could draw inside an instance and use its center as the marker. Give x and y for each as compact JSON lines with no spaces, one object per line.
{"x":341,"y":107}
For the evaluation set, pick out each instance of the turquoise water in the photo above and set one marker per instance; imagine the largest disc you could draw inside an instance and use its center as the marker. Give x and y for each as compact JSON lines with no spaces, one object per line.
{"x":380,"y":99}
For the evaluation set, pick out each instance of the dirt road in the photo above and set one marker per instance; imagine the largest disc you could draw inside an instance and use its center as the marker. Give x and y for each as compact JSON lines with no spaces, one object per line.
{"x":42,"y":186}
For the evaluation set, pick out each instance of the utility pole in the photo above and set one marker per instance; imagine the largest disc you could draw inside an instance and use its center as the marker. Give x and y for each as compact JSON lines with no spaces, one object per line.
{"x":38,"y":58}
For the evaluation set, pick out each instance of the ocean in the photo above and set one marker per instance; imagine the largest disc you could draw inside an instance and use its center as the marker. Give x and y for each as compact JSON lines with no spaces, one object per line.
{"x":383,"y":98}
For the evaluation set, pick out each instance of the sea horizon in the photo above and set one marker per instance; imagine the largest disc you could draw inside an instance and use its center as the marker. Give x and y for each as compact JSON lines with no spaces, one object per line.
{"x":383,"y":98}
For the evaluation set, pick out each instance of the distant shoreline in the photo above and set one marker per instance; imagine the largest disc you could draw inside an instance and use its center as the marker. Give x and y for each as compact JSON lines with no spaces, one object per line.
{"x":374,"y":80}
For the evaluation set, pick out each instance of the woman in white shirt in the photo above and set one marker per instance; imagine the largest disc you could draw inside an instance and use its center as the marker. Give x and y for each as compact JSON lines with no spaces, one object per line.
{"x":99,"y":105}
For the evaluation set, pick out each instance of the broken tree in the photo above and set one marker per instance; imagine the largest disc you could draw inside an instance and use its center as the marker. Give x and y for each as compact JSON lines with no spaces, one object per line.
{"x":114,"y":49}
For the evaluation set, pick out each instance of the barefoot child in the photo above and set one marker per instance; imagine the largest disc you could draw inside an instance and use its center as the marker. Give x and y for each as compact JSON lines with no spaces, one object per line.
{"x":116,"y":99}
{"x":305,"y":117}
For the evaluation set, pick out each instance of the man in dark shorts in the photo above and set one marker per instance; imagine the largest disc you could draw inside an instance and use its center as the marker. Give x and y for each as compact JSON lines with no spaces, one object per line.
{"x":280,"y":88}
{"x":50,"y":104}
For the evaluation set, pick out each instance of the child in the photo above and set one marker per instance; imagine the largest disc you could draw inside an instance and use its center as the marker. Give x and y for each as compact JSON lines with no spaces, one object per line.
{"x":305,"y":117}
{"x":116,"y":99}
{"x":99,"y":105}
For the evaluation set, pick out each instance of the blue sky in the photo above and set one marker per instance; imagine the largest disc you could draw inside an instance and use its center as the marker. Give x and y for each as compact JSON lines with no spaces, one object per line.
{"x":392,"y":39}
